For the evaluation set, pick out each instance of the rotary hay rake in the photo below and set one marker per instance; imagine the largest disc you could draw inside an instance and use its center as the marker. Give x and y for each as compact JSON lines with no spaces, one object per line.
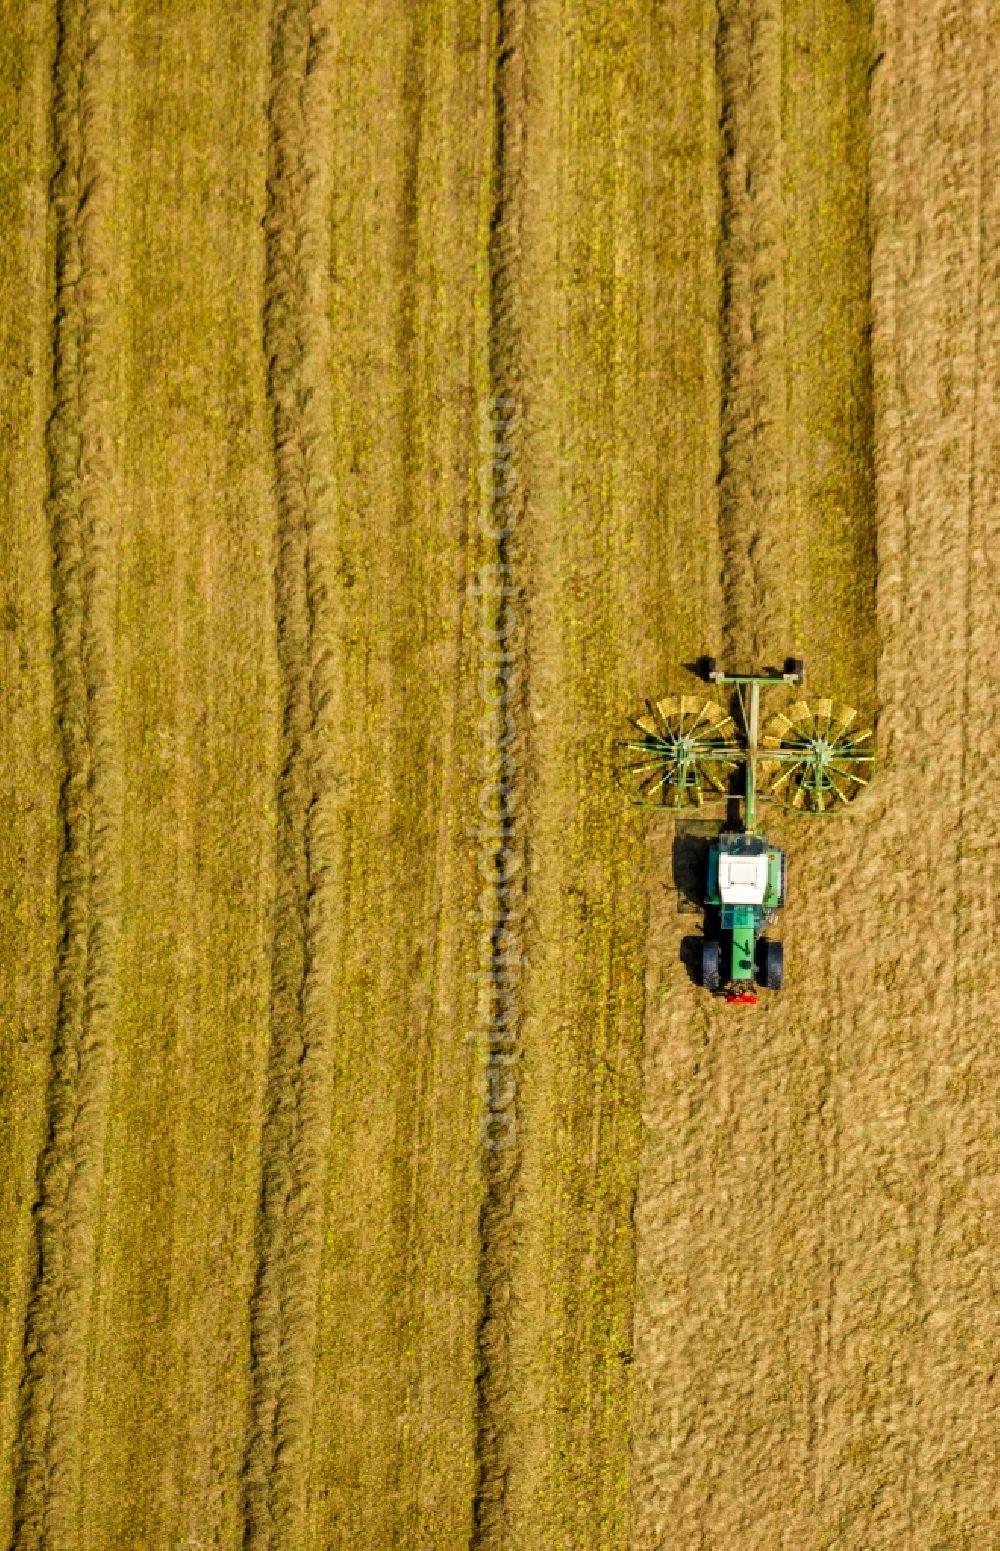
{"x":812,"y":758}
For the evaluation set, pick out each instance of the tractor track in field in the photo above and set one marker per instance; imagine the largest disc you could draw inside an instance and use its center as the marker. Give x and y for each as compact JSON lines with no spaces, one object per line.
{"x":753,"y":472}
{"x":494,"y":1423}
{"x":48,"y":1466}
{"x":297,"y":1117}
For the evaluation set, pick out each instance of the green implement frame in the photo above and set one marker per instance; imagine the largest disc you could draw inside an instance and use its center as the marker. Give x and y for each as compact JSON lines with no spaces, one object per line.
{"x":748,"y":687}
{"x":813,"y":757}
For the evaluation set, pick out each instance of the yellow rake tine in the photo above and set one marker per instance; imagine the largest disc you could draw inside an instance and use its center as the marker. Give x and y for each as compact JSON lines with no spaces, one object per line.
{"x":648,"y":790}
{"x":652,"y":764}
{"x":850,"y":775}
{"x":715,"y":781}
{"x":700,"y":718}
{"x":846,"y":714}
{"x":654,"y":710}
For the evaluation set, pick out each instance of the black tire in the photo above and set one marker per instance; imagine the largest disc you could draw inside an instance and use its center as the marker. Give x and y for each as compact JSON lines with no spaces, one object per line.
{"x":711,"y":667}
{"x":771,"y":963}
{"x":796,"y":666}
{"x":711,"y":965}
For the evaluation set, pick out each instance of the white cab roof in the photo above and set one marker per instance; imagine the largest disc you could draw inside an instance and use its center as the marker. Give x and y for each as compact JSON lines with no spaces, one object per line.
{"x":742,"y":879}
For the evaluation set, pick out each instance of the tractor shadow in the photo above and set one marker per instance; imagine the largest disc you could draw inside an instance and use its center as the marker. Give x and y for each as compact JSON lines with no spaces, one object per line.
{"x":699,"y":668}
{"x":690,"y":957}
{"x":692,"y":841}
{"x":689,"y":860}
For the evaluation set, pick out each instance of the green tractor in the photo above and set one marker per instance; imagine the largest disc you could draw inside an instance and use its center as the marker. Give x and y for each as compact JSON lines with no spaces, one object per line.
{"x":812,"y":758}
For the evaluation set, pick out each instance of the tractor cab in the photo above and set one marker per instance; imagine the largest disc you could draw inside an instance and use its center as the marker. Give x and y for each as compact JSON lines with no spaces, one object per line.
{"x":741,"y":869}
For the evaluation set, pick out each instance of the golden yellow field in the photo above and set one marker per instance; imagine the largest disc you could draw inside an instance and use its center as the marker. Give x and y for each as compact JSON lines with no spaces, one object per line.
{"x":393,"y":397}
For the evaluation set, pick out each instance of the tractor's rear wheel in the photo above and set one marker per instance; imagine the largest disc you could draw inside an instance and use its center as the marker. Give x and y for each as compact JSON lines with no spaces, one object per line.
{"x":711,"y":965}
{"x":771,"y":963}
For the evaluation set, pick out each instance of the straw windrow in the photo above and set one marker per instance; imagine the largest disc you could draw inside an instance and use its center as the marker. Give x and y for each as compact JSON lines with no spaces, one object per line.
{"x":297,"y":1121}
{"x":82,"y":527}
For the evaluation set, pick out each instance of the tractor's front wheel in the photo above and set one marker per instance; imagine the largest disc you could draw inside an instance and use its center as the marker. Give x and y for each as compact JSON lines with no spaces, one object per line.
{"x":711,"y":965}
{"x":771,"y":962}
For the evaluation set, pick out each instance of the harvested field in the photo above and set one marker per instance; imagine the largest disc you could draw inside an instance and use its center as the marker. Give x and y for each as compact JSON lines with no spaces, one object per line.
{"x":393,"y":399}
